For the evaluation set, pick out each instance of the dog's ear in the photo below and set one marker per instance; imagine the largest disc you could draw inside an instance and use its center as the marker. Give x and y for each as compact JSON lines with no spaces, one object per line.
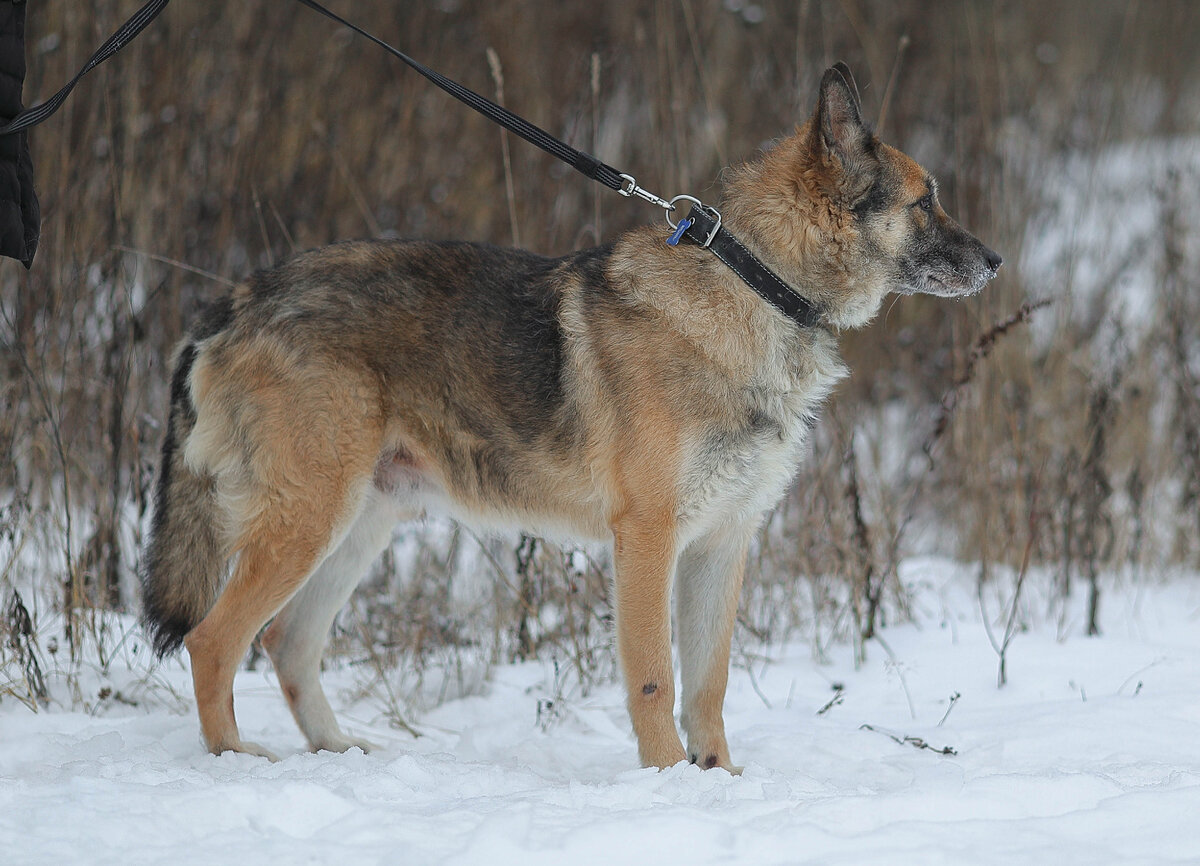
{"x":848,"y":76}
{"x":838,"y":131}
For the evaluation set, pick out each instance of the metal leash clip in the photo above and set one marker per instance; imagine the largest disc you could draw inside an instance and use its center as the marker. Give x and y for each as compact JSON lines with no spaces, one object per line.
{"x":630,"y":188}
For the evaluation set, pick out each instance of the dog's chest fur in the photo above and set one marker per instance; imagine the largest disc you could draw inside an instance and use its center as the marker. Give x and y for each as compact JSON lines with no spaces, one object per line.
{"x":740,"y":468}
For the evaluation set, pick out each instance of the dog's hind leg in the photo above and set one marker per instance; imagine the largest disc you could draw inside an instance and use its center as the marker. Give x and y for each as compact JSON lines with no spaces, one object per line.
{"x":296,"y":466}
{"x":297,"y":636}
{"x":708,"y":584}
{"x":270,"y":569}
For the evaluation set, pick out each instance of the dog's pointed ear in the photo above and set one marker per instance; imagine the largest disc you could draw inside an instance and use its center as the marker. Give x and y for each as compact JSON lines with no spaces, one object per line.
{"x":839,"y":137}
{"x":839,"y":127}
{"x":848,"y":76}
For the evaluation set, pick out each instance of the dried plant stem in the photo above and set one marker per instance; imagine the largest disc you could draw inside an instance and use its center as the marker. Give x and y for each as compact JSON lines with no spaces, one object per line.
{"x":509,"y":191}
{"x":886,"y":102}
{"x":1010,"y":626}
{"x":980,"y":349}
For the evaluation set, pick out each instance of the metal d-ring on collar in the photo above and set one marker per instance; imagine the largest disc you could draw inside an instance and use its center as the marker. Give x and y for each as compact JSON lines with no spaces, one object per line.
{"x":696,"y":203}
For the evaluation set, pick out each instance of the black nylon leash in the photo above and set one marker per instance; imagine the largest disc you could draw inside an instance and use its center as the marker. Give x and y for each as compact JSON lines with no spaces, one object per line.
{"x":703,"y":222}
{"x":122,"y":37}
{"x":582,"y":162}
{"x":702,"y":225}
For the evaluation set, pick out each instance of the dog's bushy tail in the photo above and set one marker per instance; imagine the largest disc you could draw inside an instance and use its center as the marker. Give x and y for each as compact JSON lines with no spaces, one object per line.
{"x":185,"y":559}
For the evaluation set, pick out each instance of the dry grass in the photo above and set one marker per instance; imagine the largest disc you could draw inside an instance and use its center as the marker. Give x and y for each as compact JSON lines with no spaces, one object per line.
{"x":230,"y":135}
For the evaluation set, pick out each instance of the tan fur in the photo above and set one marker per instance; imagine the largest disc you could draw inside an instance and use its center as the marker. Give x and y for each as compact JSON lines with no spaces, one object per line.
{"x":638,"y":393}
{"x":287,"y":498}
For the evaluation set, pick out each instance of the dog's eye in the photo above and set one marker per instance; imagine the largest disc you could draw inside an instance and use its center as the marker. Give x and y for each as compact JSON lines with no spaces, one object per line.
{"x":925,"y":203}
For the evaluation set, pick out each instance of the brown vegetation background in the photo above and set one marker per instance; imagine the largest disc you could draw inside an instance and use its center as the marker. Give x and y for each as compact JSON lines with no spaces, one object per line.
{"x":231,"y":134}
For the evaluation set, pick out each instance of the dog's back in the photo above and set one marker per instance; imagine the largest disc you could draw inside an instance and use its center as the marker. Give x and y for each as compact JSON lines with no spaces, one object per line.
{"x":464,"y":356}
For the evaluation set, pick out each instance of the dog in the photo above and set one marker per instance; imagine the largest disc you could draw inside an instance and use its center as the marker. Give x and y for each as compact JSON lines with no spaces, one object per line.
{"x":637,"y":393}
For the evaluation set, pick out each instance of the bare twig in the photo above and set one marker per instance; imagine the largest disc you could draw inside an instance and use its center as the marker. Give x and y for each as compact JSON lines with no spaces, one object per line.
{"x":953,"y":700}
{"x":595,"y":92}
{"x":915,"y":742}
{"x":839,"y":695}
{"x":754,"y":685}
{"x":183,"y":266}
{"x":1010,"y":627}
{"x":982,"y":347}
{"x":901,"y":45}
{"x":870,"y":585}
{"x":380,"y":667}
{"x":912,"y":710}
{"x":509,"y":190}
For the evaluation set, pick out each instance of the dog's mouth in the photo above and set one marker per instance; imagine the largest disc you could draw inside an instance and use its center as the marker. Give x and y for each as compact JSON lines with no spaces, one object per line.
{"x":937,"y":286}
{"x":951,"y":285}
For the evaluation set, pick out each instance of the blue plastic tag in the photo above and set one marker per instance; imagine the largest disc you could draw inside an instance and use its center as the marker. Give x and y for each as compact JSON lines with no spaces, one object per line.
{"x":683,"y":226}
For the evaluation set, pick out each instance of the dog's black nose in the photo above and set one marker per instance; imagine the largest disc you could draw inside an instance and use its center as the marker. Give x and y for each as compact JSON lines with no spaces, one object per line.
{"x":993,"y":259}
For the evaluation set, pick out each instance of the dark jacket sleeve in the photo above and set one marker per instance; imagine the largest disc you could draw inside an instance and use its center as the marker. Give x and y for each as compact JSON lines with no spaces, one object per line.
{"x":20,"y":216}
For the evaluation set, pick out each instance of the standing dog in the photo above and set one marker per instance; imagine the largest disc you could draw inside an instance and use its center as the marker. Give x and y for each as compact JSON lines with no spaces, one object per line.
{"x":636,"y":392}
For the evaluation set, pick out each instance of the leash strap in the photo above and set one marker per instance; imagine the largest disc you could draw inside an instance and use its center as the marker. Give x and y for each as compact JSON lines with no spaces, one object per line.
{"x":705,"y":222}
{"x":124,"y":35}
{"x":582,"y":162}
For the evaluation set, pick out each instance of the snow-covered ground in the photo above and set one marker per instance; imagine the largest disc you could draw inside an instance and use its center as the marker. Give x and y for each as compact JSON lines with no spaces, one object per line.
{"x":1089,"y":755}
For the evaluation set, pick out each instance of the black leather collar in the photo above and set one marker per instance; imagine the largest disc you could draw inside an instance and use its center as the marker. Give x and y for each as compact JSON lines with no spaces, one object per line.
{"x":706,"y":231}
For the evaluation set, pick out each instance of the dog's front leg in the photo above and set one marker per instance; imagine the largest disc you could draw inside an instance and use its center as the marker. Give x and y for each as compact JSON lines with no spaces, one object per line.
{"x":644,"y":550}
{"x":709,"y":582}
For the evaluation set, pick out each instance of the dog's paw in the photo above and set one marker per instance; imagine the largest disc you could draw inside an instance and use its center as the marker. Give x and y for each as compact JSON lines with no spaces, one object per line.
{"x":713,"y":759}
{"x":247,"y":748}
{"x":344,"y":744}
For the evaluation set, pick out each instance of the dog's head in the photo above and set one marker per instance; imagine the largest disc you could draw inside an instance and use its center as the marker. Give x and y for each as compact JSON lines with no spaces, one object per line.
{"x":856,"y":217}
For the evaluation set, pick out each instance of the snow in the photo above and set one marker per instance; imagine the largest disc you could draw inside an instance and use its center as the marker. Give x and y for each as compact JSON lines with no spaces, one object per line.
{"x":1088,"y":755}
